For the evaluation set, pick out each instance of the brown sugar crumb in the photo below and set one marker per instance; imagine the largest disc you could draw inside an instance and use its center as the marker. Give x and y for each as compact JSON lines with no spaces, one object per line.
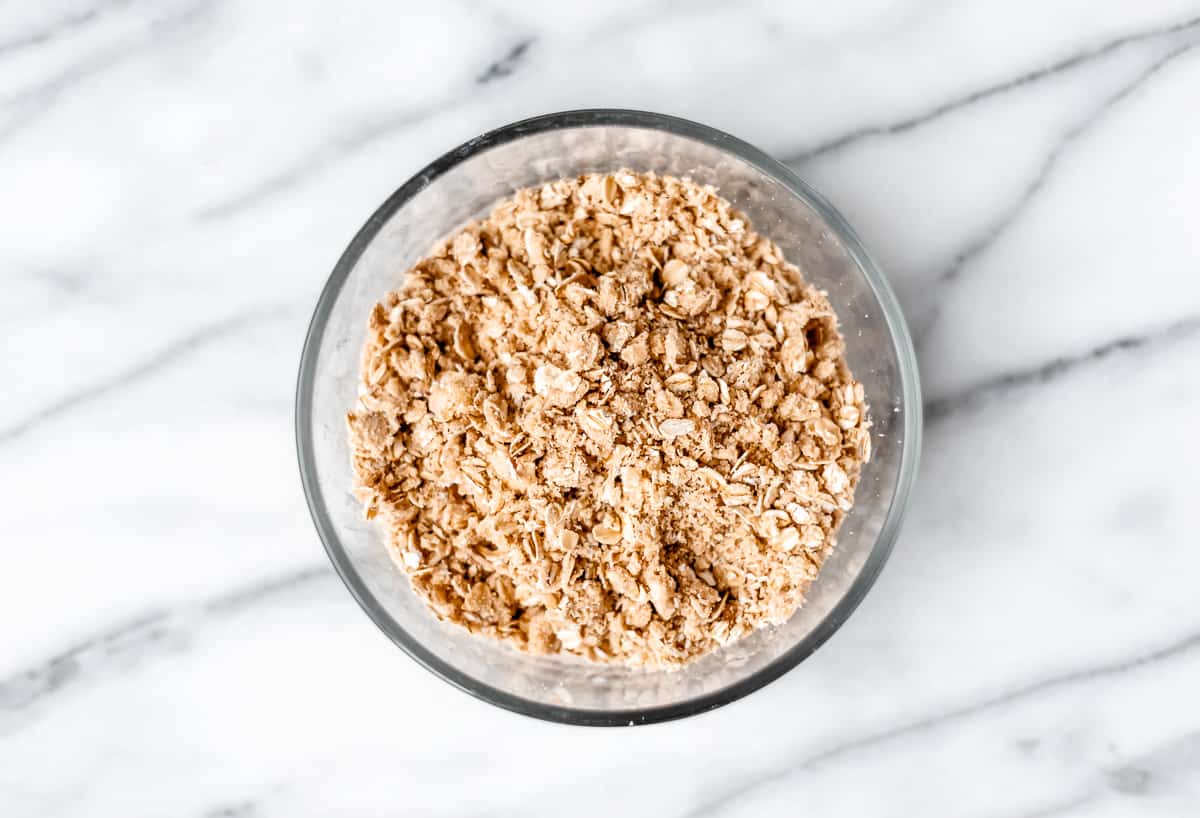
{"x":609,"y":420}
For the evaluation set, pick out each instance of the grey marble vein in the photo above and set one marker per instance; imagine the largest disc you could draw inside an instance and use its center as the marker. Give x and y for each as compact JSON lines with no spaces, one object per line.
{"x":64,"y":25}
{"x":133,"y":643}
{"x":507,"y":64}
{"x":30,"y":103}
{"x":1115,"y":668}
{"x":26,"y":106}
{"x":324,"y":157}
{"x":174,"y":351}
{"x":938,"y":111}
{"x":1009,"y":216}
{"x":939,"y":409}
{"x":350,"y":143}
{"x":28,"y":686}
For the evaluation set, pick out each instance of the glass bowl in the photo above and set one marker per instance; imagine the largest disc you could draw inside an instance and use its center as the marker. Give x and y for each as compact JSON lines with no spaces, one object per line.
{"x":464,"y":184}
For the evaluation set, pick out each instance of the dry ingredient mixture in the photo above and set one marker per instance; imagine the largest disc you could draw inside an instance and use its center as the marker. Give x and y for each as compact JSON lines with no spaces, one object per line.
{"x":609,"y":420}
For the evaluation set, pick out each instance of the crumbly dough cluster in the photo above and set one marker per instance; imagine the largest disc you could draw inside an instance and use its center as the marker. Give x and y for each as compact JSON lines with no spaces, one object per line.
{"x":609,"y":420}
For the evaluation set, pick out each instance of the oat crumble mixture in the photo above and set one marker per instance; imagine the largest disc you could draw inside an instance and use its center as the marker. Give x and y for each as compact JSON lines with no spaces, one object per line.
{"x":609,"y":420}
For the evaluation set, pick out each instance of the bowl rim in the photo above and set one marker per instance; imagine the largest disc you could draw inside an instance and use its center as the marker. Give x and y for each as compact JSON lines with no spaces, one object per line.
{"x":910,"y":405}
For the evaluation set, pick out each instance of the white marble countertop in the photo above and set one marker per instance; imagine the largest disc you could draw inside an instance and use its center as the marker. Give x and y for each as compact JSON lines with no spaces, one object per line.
{"x":177,"y":179}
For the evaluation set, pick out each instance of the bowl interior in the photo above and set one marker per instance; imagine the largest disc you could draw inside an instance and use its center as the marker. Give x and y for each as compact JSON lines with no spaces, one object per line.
{"x":464,"y":185}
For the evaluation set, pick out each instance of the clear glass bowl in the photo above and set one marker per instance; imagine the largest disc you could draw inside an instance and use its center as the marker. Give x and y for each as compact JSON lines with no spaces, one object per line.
{"x":464,"y":184}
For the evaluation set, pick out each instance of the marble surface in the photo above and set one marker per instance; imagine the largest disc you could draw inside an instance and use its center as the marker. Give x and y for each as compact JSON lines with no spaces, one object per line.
{"x":177,"y":179}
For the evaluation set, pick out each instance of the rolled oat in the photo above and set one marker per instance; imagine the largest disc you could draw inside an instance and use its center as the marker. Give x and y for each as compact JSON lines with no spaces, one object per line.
{"x":609,"y":420}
